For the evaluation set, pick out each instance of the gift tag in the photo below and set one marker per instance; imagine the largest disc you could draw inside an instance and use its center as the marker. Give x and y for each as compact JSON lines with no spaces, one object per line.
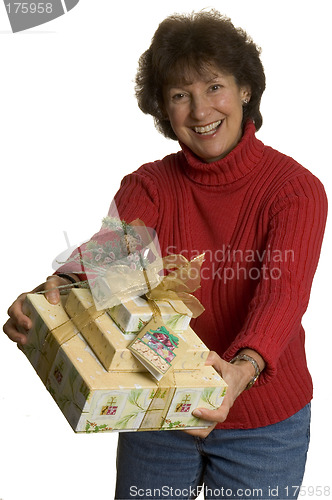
{"x":158,"y":348}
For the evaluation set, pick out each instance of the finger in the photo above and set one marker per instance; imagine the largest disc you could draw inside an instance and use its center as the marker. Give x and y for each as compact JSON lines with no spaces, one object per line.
{"x":216,"y":361}
{"x":15,"y":311}
{"x":218,"y":415}
{"x":201,"y":433}
{"x":52,"y":292}
{"x":11,"y":331}
{"x":212,"y":358}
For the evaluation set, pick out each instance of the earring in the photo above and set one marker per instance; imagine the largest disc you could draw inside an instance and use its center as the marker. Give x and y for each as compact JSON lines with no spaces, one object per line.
{"x":245,"y":102}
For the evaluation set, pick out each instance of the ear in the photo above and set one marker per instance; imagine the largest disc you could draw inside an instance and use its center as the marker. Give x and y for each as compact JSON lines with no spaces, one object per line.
{"x":245,"y":93}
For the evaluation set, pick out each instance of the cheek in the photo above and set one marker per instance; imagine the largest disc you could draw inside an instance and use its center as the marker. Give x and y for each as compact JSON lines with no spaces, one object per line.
{"x":177,"y":117}
{"x":230,"y":104}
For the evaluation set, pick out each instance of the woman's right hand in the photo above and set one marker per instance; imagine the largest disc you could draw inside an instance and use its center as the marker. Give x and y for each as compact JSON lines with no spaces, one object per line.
{"x":18,"y":321}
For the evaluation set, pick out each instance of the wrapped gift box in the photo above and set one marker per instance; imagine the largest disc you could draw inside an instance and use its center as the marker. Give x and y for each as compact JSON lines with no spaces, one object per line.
{"x":102,"y":334}
{"x":94,"y":399}
{"x":131,"y":316}
{"x":134,"y":314}
{"x":110,"y":343}
{"x":98,"y":329}
{"x":45,"y":318}
{"x":196,"y":354}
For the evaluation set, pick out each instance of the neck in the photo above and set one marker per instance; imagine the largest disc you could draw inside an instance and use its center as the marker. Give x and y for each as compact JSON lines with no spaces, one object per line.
{"x":239,"y":162}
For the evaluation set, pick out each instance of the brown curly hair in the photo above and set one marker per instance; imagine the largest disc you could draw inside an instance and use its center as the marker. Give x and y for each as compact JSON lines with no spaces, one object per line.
{"x":184,"y":45}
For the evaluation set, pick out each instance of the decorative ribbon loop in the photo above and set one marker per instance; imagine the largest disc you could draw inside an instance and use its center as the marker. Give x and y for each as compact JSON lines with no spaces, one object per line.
{"x":182,"y":280}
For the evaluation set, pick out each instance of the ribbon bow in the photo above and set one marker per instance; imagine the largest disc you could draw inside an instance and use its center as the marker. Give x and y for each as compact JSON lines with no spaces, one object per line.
{"x":182,"y":280}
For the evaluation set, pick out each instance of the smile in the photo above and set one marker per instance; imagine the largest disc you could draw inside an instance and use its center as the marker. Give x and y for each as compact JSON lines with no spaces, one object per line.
{"x":208,"y":129}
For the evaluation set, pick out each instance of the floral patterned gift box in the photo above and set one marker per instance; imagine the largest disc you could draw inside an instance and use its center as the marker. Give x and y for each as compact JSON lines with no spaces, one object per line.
{"x":93,"y":399}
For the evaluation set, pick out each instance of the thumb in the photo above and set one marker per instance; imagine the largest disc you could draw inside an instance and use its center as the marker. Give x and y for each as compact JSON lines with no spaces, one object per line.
{"x":52,"y":292}
{"x":205,"y":414}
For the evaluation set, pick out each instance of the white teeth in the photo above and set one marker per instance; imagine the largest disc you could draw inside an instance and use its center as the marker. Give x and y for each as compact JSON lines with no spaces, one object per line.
{"x":208,"y":128}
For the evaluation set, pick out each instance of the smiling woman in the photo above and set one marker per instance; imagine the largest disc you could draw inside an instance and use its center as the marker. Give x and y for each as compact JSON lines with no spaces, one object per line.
{"x":185,"y":49}
{"x":207,"y":115}
{"x":249,"y":207}
{"x":202,"y":80}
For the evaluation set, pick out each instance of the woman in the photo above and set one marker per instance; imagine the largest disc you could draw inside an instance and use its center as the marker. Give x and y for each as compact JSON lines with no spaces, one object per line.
{"x":260,"y":217}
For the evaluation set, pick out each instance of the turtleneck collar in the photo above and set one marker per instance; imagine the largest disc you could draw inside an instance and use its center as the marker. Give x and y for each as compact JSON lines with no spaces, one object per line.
{"x":238,"y":163}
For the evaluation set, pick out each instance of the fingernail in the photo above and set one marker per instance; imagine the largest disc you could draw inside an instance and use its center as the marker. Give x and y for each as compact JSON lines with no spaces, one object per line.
{"x":197,"y":413}
{"x":52,"y":297}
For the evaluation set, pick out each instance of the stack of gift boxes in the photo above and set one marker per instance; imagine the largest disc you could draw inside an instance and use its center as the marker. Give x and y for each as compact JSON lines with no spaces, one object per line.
{"x":107,"y":369}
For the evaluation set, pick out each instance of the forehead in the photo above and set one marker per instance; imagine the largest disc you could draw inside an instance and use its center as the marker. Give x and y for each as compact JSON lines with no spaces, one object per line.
{"x":208,"y":78}
{"x":186,"y":73}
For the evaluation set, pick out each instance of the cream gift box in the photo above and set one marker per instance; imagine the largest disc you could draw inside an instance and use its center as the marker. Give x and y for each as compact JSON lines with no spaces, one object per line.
{"x":45,"y":318}
{"x":133,"y":315}
{"x":93,"y":399}
{"x":101,"y":333}
{"x":103,"y":336}
{"x":110,"y":344}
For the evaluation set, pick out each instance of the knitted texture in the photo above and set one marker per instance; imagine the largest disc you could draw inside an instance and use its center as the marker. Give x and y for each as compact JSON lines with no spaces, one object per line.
{"x":260,"y":218}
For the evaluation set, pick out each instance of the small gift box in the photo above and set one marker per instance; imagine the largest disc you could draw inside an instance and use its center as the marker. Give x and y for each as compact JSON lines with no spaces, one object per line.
{"x":136,"y":313}
{"x":131,"y":316}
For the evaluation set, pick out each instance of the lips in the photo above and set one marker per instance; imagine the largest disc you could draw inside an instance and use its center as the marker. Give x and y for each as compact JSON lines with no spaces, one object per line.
{"x":208,"y":129}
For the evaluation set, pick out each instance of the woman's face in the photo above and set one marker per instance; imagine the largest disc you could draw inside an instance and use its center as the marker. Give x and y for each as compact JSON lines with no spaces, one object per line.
{"x":206,"y":114}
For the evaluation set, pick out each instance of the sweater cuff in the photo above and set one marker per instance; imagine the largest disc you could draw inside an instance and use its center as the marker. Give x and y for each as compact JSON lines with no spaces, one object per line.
{"x":270,"y":369}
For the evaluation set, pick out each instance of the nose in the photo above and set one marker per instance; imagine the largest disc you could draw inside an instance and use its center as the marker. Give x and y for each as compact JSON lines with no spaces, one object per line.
{"x":199,"y":108}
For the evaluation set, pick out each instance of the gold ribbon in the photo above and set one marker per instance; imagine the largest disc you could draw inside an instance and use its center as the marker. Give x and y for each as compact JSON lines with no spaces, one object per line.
{"x":51,"y":345}
{"x":182,"y":280}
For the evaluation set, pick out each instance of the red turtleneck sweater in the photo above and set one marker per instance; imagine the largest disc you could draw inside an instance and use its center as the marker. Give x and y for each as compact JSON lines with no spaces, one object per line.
{"x":259,"y":217}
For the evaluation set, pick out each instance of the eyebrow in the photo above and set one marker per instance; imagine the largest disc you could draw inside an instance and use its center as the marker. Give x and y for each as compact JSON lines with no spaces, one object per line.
{"x":187,"y":84}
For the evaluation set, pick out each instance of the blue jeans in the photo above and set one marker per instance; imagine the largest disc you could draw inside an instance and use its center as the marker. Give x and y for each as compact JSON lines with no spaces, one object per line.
{"x":265,"y":463}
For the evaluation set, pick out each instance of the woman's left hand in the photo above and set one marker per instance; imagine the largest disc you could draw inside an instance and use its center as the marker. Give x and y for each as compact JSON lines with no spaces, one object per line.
{"x":237,"y":376}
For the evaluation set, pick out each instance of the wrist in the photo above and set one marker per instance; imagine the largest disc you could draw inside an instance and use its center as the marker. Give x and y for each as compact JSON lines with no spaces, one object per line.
{"x":70,"y":278}
{"x":255,"y":355}
{"x":252,"y":364}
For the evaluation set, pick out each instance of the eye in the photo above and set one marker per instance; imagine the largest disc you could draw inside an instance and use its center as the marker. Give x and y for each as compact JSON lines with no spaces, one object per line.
{"x":178,"y":96}
{"x":215,"y":87}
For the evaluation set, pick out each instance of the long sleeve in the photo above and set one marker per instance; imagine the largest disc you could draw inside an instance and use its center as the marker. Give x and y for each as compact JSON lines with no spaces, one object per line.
{"x":137,"y":198}
{"x":296,"y":228}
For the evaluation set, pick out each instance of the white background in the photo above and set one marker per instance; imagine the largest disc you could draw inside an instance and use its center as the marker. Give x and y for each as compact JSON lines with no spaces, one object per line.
{"x":70,"y":130}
